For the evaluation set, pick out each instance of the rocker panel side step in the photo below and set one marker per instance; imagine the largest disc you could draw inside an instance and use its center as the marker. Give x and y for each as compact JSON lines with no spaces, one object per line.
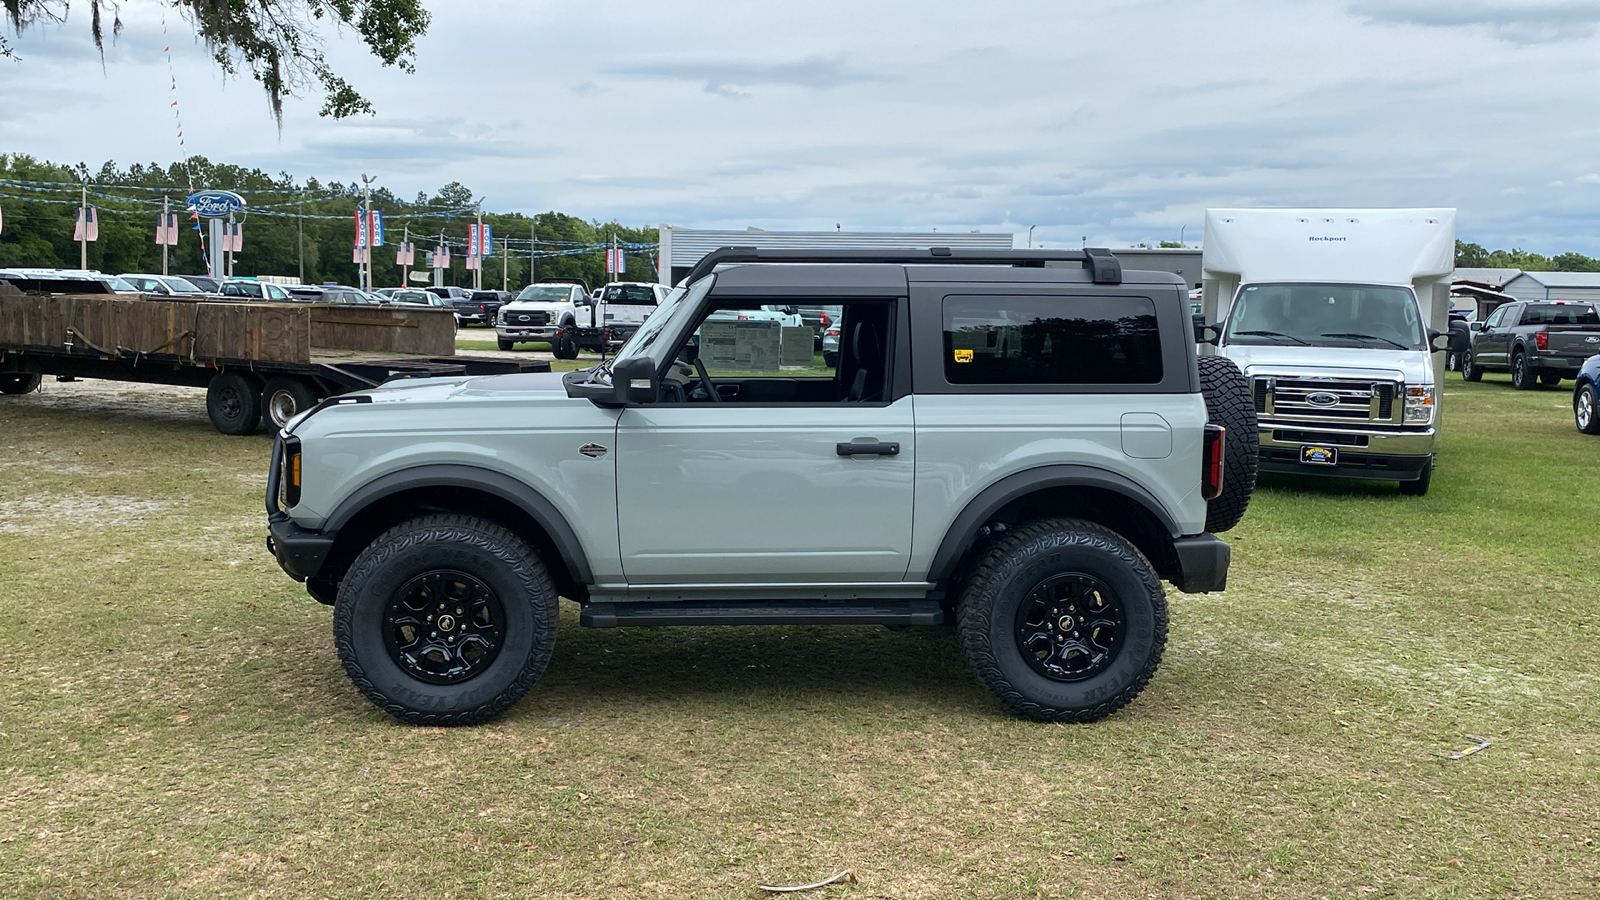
{"x":764,"y":612}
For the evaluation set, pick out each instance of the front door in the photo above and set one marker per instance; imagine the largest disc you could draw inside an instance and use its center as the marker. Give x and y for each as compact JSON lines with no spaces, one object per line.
{"x":799,"y":474}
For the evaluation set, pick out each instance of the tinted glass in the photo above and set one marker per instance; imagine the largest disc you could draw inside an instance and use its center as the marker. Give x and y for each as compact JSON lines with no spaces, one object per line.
{"x":1051,"y":340}
{"x":1560,"y":314}
{"x":546,"y":293}
{"x":630,"y":295}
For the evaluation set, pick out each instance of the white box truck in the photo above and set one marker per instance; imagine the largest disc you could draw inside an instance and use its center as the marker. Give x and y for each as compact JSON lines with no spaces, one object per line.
{"x":1339,"y":319}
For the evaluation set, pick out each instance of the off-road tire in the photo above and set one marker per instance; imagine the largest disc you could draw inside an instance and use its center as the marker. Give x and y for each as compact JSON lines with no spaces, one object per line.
{"x":1420,"y":486}
{"x":502,"y":561}
{"x":1002,"y":580}
{"x":283,"y":398}
{"x":1229,"y":404}
{"x":1522,"y":377}
{"x":1586,"y":410}
{"x":506,"y":345}
{"x":19,"y":384}
{"x":233,"y":403}
{"x":1470,"y":371}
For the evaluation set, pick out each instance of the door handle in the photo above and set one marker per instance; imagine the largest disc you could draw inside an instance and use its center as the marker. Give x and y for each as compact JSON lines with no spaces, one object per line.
{"x":868,"y":448}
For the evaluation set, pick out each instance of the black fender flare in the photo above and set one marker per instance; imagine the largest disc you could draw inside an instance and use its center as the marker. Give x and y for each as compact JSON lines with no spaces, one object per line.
{"x":996,"y":496}
{"x":489,"y":481}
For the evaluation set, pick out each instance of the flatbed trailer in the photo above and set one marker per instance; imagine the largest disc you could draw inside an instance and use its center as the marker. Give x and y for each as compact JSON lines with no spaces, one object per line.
{"x":259,"y":362}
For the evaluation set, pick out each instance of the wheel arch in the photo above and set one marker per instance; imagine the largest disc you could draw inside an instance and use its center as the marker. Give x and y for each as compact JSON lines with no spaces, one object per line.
{"x":1077,"y":491}
{"x":387,"y":500}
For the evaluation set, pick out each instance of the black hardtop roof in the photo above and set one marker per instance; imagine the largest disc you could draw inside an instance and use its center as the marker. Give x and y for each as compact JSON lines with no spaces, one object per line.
{"x":880,"y":273}
{"x":1102,"y":266}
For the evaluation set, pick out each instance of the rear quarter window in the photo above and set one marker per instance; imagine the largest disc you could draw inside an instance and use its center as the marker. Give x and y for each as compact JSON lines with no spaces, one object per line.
{"x":1051,"y":340}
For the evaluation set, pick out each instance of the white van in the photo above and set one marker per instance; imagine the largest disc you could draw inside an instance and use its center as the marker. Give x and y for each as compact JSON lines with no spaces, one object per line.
{"x":1339,"y":319}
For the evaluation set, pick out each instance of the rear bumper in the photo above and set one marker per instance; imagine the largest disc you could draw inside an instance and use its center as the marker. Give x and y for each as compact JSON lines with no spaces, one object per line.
{"x":1568,"y":366}
{"x":1202,"y":563}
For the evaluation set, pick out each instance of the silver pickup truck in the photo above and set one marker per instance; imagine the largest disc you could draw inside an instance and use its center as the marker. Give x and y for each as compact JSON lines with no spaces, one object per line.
{"x":1021,"y":443}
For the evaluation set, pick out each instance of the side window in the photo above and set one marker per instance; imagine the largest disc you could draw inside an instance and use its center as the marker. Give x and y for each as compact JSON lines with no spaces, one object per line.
{"x":757,"y":352}
{"x":1051,"y":340}
{"x":1496,"y":317}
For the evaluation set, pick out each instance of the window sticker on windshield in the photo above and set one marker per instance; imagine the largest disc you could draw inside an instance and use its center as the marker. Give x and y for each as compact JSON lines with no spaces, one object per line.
{"x":963,"y":355}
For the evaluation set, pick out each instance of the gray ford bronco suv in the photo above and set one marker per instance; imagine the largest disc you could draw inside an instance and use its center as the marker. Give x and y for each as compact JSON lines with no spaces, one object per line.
{"x":1023,"y":444}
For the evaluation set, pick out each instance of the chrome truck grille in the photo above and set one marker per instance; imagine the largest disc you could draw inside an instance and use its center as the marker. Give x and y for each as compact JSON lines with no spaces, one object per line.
{"x":1327,"y":401}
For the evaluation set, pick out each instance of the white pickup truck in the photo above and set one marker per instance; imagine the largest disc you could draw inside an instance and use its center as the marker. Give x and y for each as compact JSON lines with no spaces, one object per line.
{"x":570,"y":319}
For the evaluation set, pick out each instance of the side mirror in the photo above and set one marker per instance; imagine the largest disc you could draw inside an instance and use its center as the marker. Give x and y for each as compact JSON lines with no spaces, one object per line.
{"x":1203,"y":333}
{"x":634,"y":380}
{"x":1460,"y":339}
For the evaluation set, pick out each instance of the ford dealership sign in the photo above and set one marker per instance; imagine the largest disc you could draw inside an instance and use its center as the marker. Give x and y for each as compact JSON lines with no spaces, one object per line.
{"x":214,"y":204}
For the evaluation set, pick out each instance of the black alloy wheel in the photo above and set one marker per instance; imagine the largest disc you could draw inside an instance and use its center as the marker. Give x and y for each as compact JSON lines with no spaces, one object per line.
{"x":444,"y":627}
{"x":1469,"y":368}
{"x":1070,"y":627}
{"x":1521,"y":376}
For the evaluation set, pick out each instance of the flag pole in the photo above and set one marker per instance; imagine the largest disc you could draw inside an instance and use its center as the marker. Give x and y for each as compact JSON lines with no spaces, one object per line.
{"x":166,"y":208}
{"x":83,"y":219}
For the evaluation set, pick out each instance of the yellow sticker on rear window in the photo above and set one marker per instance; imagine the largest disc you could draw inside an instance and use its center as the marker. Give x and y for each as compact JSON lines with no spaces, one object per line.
{"x":963,"y":355}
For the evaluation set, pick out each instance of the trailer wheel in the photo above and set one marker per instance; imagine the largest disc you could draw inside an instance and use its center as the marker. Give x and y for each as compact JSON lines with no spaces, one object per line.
{"x":233,"y":402}
{"x":284,"y":398}
{"x":19,"y":384}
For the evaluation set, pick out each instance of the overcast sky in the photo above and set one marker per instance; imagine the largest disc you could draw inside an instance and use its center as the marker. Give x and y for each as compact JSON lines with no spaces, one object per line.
{"x":1118,"y":121}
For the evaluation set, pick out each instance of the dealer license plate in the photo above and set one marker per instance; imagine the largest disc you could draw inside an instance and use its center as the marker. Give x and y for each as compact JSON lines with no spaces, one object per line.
{"x":1319,"y":455}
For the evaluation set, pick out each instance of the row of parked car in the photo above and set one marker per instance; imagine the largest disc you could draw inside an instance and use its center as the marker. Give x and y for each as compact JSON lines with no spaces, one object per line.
{"x":1540,"y":344}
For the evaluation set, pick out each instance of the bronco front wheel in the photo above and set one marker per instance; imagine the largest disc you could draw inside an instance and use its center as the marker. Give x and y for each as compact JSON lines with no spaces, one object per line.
{"x":445,"y":620}
{"x":1063,"y":620}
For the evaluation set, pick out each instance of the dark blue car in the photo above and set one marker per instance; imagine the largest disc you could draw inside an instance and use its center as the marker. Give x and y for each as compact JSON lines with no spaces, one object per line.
{"x":1583,"y":397}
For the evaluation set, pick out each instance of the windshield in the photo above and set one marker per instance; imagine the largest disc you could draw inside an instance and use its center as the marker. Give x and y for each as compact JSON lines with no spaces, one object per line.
{"x":545,"y":293}
{"x":179,"y":286}
{"x":630,"y":295}
{"x":670,"y":308}
{"x":1326,"y":315}
{"x":117,"y":284}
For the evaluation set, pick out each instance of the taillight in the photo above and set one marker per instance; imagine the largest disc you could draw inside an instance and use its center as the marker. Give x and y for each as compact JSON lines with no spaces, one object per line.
{"x":1212,"y":458}
{"x":1541,"y":339}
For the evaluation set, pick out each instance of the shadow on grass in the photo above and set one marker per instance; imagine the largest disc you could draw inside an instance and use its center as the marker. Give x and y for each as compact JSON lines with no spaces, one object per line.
{"x":1312,"y":485}
{"x":806,"y":667}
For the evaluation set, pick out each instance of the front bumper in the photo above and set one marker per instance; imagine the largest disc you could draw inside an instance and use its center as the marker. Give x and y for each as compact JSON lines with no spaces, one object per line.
{"x":526,"y":332}
{"x":299,"y":551}
{"x":1368,"y":454}
{"x":1202,"y":563}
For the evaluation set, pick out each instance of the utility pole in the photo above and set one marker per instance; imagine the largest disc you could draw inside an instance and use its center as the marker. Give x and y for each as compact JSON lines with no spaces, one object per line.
{"x":366,"y":225}
{"x":505,"y":263}
{"x":533,"y":247}
{"x":438,"y":273}
{"x":166,"y":207}
{"x":1030,"y":236}
{"x":83,"y":213}
{"x":404,"y":243}
{"x":300,"y":232}
{"x":228,"y":243}
{"x":477,"y":274}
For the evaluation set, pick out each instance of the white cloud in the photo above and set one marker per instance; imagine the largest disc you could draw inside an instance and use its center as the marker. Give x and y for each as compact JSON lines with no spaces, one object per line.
{"x":1120,"y":121}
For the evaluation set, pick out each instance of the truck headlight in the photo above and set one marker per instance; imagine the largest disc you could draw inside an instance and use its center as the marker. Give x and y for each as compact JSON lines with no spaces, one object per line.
{"x":1419,"y":405}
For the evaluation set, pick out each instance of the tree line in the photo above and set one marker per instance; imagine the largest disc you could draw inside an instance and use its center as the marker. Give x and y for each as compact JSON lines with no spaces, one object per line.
{"x":303,"y":229}
{"x":1470,"y":255}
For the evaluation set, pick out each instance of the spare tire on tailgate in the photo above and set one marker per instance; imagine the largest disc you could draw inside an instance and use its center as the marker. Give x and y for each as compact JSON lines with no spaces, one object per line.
{"x":1229,"y":404}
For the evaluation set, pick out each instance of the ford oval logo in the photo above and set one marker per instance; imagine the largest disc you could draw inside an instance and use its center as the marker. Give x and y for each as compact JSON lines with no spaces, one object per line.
{"x":1322,"y":398}
{"x":1591,"y":340}
{"x":214,"y":204}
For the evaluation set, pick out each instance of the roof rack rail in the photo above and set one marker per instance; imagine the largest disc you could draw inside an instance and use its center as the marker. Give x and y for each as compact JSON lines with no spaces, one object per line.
{"x":1103,"y":266}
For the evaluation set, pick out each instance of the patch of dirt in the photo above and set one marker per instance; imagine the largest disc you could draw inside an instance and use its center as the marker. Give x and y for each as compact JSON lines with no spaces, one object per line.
{"x":51,"y":514}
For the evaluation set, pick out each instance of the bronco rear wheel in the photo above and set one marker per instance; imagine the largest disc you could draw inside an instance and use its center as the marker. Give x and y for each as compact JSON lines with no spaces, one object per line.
{"x":445,"y":620}
{"x":1063,"y":620}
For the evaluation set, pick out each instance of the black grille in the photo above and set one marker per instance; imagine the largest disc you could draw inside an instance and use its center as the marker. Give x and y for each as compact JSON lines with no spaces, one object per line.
{"x":528,"y":318}
{"x":1261,"y":395}
{"x":1289,"y":436}
{"x":1385,"y":400}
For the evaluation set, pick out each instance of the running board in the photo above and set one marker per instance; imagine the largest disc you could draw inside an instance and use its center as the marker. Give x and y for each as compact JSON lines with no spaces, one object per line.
{"x":764,"y":612}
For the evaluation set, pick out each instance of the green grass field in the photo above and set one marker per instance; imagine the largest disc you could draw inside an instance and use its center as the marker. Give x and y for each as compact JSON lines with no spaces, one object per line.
{"x":174,"y":721}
